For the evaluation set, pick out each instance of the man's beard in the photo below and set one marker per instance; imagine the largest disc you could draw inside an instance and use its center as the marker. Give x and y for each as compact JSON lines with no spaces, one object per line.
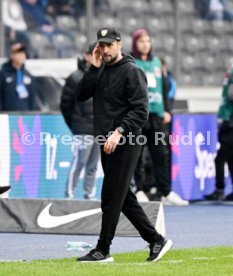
{"x":113,"y":59}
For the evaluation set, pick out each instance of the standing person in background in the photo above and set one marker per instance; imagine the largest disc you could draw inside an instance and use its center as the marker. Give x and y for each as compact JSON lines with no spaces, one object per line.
{"x":171,"y":83}
{"x":17,"y":91}
{"x":225,"y":136}
{"x":159,"y":115}
{"x":79,"y":118}
{"x":171,"y":88}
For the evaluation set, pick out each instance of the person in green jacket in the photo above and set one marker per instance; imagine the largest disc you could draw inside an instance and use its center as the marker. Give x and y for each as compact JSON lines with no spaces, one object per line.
{"x":225,"y":136}
{"x":159,"y":116}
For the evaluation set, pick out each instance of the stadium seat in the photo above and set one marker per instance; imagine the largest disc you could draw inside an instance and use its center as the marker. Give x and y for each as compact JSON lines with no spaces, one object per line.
{"x":129,"y":24}
{"x":188,"y":63}
{"x":65,"y":46}
{"x":136,"y":7}
{"x":110,"y":21}
{"x":190,"y":43}
{"x":166,"y":25}
{"x":185,"y":25}
{"x":160,"y":8}
{"x":189,"y":79}
{"x":65,"y":22}
{"x":152,"y":24}
{"x":227,"y":60}
{"x":199,"y":26}
{"x":219,"y":77}
{"x":80,"y":42}
{"x":127,"y":43}
{"x":187,"y":7}
{"x":170,"y":62}
{"x":208,"y":79}
{"x":213,"y":79}
{"x":168,"y":42}
{"x":213,"y":43}
{"x":220,"y":28}
{"x":228,"y":43}
{"x":158,"y":45}
{"x":42,"y":46}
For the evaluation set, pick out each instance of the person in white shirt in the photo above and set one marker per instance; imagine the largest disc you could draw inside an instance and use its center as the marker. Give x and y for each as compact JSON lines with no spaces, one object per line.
{"x":15,"y":25}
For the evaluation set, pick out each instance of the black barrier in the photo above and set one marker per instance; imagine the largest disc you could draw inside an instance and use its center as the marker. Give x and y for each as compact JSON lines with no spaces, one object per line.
{"x":67,"y":217}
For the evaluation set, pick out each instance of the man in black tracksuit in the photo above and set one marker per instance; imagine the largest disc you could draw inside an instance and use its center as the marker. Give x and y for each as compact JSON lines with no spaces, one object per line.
{"x":119,"y":89}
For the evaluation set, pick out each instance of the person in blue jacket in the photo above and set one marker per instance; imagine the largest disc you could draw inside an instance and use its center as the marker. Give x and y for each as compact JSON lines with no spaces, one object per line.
{"x":17,"y":92}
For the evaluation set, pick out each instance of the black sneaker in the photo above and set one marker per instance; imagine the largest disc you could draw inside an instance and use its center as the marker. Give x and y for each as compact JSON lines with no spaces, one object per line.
{"x":96,"y":255}
{"x":217,"y":195}
{"x":229,"y":197}
{"x":157,"y":250}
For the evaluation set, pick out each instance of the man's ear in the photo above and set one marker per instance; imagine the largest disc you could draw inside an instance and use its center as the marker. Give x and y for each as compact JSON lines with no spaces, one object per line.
{"x":120,"y":43}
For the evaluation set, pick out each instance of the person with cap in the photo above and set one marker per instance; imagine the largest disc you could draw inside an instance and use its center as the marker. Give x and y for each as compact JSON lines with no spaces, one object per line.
{"x":119,"y":89}
{"x":159,"y":116}
{"x":79,"y":118}
{"x":17,"y":92}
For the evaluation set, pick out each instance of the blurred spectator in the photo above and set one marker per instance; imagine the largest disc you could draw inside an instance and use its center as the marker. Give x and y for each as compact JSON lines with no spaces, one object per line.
{"x":214,"y":9}
{"x":171,"y":82}
{"x":15,"y":25}
{"x":76,"y":8}
{"x":225,"y":136}
{"x":43,"y":3}
{"x":38,"y":20}
{"x":79,"y":118}
{"x":159,"y":116}
{"x":16,"y":84}
{"x":61,"y":7}
{"x":171,"y":91}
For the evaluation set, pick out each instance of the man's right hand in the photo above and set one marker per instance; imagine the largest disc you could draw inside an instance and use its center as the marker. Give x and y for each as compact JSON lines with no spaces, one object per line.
{"x":97,"y":58}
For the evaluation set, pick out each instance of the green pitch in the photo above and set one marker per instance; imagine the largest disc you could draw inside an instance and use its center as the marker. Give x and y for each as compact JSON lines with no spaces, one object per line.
{"x":188,"y":262}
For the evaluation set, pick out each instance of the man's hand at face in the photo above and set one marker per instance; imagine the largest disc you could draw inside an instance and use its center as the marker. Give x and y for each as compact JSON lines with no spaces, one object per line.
{"x":112,"y":142}
{"x":97,"y":58}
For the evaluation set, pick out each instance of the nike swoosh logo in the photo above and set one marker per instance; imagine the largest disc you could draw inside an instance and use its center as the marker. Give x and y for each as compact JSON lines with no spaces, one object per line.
{"x":46,"y":220}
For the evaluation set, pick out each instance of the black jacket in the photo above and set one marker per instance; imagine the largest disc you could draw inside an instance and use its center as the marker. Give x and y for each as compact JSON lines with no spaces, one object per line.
{"x":120,"y":96}
{"x":9,"y":100}
{"x":78,"y":116}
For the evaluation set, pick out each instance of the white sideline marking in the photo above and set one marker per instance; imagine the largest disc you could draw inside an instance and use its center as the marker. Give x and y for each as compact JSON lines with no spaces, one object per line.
{"x":145,"y":263}
{"x":172,"y":261}
{"x":203,"y":258}
{"x":12,"y":261}
{"x":210,"y":258}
